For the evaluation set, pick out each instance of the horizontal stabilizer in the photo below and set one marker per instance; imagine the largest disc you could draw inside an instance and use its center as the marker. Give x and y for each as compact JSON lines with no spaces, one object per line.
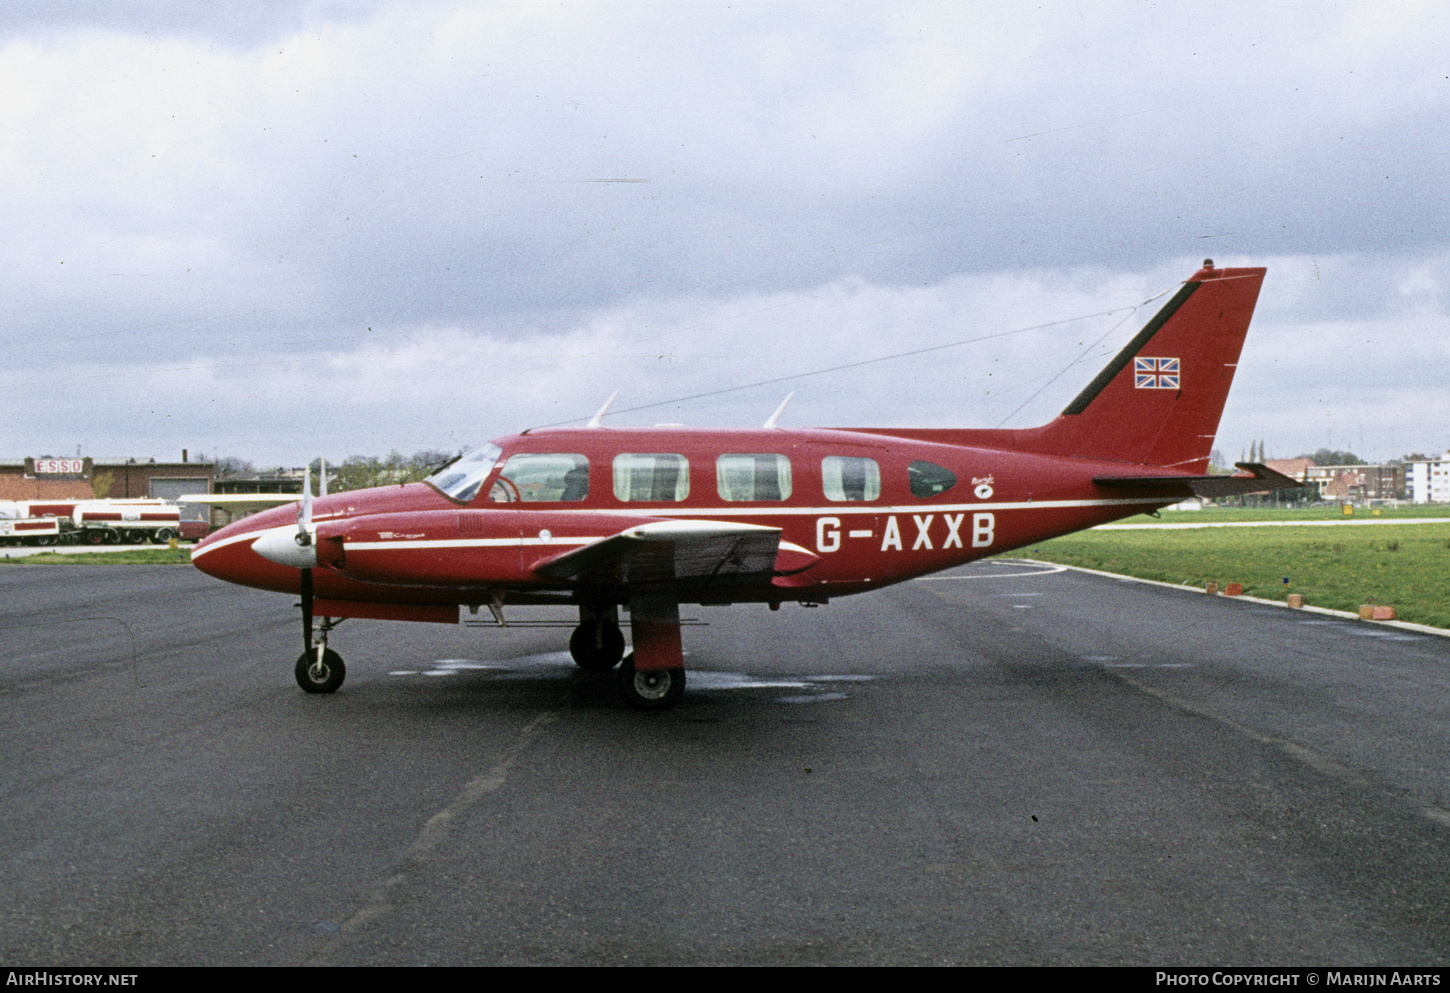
{"x":1258,"y":478}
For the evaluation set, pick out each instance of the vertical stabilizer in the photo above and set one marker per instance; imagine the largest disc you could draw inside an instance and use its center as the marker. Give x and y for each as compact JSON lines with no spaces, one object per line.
{"x":1159,"y":400}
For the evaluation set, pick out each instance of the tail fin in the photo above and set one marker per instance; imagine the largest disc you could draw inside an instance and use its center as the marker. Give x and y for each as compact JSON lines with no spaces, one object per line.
{"x":1159,"y":401}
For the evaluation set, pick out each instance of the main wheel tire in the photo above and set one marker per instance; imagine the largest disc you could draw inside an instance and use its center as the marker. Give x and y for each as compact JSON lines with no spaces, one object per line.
{"x":654,"y":689}
{"x":597,"y":647}
{"x":322,"y":676}
{"x":95,"y":536}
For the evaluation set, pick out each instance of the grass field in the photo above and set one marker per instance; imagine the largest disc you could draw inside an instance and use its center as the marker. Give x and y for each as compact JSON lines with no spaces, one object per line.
{"x":1215,"y":515}
{"x":141,"y":556}
{"x":1405,"y":567}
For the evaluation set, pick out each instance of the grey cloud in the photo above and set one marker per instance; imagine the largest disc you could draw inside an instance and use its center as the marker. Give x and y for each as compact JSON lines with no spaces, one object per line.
{"x":233,"y":22}
{"x":194,"y":189}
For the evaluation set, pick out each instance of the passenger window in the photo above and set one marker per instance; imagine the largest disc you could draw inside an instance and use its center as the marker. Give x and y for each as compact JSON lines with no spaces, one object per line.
{"x":653,"y":477}
{"x":928,"y":479}
{"x":847,"y":478}
{"x":542,"y":479}
{"x":753,"y":477}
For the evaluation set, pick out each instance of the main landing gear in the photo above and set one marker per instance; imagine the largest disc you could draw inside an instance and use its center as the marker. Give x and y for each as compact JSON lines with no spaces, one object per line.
{"x":652,"y":677}
{"x":651,"y":689}
{"x":597,"y":644}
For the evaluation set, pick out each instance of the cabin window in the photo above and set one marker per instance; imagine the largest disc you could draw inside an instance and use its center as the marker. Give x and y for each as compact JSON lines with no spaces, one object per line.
{"x":849,"y":478}
{"x":753,"y":477}
{"x":542,"y":478}
{"x":651,"y":477}
{"x":929,"y":479}
{"x":461,"y":478}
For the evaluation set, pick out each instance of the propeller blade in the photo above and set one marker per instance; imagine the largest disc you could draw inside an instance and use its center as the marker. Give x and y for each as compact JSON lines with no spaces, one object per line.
{"x":304,"y":512}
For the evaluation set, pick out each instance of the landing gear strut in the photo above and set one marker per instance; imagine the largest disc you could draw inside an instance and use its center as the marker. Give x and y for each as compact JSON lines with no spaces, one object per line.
{"x":319,"y":669}
{"x":597,"y":644}
{"x":652,"y":677}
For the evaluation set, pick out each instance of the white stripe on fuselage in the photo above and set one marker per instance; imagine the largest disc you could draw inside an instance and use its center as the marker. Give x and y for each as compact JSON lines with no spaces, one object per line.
{"x":373,"y":546}
{"x":856,"y":507}
{"x":853,"y":509}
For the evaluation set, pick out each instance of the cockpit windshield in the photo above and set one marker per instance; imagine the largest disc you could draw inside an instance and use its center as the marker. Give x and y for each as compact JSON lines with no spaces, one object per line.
{"x":461,"y":478}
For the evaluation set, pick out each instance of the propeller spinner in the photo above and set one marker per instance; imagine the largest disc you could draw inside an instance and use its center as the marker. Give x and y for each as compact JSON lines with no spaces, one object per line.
{"x":286,"y":546}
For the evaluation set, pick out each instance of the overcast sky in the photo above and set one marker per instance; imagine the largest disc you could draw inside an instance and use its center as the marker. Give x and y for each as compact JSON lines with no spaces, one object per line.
{"x":290,"y":229}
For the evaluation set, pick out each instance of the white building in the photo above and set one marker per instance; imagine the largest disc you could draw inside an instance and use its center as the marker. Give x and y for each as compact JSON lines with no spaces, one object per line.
{"x":1429,"y":481}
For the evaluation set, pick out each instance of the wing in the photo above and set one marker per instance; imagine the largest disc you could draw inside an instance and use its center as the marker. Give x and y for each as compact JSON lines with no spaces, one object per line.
{"x":241,"y":503}
{"x":692,"y":554}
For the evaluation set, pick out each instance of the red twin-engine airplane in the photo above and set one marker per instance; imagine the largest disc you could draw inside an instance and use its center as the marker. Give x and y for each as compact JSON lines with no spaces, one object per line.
{"x":649,"y":518}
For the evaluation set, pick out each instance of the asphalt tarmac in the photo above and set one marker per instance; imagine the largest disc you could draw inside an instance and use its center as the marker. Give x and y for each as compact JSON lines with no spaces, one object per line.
{"x":1006,"y":765}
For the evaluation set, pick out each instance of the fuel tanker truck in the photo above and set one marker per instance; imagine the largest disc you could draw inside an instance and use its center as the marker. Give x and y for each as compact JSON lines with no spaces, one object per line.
{"x":130,"y":522}
{"x":93,"y":522}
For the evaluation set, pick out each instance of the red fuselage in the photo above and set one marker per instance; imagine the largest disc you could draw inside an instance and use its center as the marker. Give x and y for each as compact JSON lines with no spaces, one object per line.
{"x":856,"y":509}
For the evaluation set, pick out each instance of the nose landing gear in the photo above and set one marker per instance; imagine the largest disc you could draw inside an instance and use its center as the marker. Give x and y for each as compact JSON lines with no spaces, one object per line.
{"x":319,"y":669}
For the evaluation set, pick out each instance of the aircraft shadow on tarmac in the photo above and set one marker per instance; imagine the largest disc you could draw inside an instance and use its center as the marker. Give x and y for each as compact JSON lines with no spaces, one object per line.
{"x":559,"y":666}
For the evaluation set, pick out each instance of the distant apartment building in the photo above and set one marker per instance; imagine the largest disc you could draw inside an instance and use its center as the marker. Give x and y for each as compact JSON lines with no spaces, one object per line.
{"x":1429,"y":481}
{"x":1342,"y":483}
{"x":1357,"y":483}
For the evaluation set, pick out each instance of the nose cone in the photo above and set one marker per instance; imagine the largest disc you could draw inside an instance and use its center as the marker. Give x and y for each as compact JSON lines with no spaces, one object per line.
{"x":229,"y":553}
{"x":262,"y":551}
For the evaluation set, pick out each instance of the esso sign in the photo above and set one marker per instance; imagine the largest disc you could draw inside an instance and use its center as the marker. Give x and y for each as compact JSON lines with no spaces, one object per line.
{"x":59,"y":467}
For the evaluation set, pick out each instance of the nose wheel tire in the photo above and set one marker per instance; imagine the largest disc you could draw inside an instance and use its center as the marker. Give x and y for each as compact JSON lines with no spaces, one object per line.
{"x":653,"y":689}
{"x":320,"y":675}
{"x":597,"y":647}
